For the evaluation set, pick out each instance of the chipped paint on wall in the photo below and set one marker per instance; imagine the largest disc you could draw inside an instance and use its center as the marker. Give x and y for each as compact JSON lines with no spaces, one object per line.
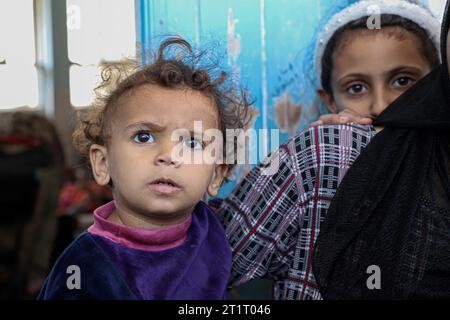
{"x":234,"y":40}
{"x":268,"y":45}
{"x":311,"y":112}
{"x":265,"y":95}
{"x":197,"y":23}
{"x":241,"y":171}
{"x":288,"y":113}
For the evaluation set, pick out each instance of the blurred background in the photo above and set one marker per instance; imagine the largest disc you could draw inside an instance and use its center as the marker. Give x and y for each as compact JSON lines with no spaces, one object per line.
{"x":50,"y":52}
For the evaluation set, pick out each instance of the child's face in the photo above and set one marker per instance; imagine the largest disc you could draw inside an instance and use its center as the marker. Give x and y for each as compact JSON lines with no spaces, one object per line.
{"x":372,"y":69}
{"x":138,"y":154}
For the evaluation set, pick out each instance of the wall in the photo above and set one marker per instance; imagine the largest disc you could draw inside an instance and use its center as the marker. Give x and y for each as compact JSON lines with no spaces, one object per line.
{"x":267,"y":43}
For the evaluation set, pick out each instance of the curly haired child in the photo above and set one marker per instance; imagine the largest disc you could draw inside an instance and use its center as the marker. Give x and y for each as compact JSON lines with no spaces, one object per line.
{"x":157,"y":240}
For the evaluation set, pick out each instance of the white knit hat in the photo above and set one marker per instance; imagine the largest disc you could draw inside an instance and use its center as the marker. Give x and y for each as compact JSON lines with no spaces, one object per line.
{"x":406,"y":9}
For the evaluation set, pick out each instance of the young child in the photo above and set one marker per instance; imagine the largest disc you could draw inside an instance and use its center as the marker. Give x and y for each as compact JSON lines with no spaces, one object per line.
{"x":272,"y":222}
{"x":157,"y":239}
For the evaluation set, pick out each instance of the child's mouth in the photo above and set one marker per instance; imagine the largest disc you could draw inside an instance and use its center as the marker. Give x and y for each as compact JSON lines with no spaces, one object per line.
{"x":164,"y":186}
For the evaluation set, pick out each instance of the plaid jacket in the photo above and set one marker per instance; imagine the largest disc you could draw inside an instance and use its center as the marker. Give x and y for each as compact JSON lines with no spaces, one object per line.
{"x":272,"y":221}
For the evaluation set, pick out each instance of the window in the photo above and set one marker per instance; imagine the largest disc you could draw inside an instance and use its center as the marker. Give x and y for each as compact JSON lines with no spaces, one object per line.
{"x":97,"y":31}
{"x":18,"y":74}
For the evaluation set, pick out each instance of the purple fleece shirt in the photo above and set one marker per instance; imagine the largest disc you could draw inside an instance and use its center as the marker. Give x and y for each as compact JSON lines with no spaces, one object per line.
{"x":189,"y":261}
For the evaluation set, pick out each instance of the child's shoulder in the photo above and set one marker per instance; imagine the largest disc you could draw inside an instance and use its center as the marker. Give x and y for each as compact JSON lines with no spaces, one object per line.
{"x":207,"y":222}
{"x":79,"y":250}
{"x":205,"y":215}
{"x":83,"y":271}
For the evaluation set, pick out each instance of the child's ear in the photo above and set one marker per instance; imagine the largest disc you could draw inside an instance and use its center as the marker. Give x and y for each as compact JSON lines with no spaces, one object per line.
{"x":99,"y":163}
{"x":220,"y":171}
{"x":328,"y":100}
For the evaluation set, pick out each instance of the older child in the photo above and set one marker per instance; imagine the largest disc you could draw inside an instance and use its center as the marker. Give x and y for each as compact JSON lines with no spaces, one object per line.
{"x":273,"y":221}
{"x":353,"y":71}
{"x":157,"y":239}
{"x":386,"y":234}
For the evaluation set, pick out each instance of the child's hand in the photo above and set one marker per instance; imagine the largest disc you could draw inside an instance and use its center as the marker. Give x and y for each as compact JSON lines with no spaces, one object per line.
{"x":343,"y":117}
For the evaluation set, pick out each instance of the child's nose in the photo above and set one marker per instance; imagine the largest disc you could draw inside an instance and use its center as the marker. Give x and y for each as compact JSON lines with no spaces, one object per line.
{"x":380,"y":102}
{"x":165,"y":157}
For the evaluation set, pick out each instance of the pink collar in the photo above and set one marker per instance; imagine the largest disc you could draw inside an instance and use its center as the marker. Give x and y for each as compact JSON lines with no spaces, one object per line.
{"x":138,"y":238}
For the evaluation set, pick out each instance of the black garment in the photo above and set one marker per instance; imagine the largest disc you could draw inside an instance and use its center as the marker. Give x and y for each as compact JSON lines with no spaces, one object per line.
{"x":19,"y":188}
{"x":392,"y":209}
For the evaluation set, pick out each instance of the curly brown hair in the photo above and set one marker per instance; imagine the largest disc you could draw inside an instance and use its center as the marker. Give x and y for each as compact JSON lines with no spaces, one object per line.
{"x":183,"y":71}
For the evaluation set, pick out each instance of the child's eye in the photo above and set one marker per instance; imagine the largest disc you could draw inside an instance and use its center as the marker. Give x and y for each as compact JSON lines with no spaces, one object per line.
{"x":357,"y":89}
{"x":143,"y":137}
{"x":403,"y":82}
{"x":193,"y":143}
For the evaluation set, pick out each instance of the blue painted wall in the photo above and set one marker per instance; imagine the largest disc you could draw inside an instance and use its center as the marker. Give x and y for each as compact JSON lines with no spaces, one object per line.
{"x":268,"y":43}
